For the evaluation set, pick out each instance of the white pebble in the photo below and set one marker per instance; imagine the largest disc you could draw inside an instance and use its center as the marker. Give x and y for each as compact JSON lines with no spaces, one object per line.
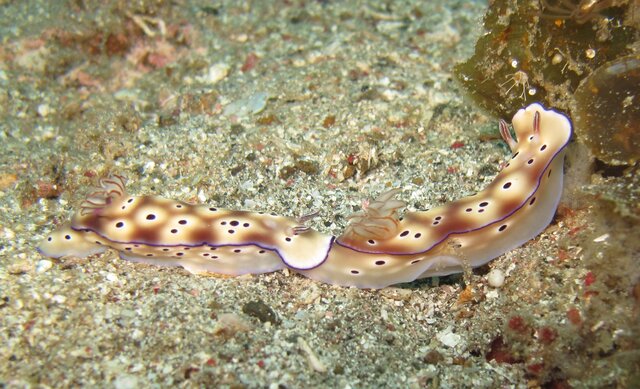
{"x":601,"y":238}
{"x":44,"y":110}
{"x":216,"y":73}
{"x":58,"y":298}
{"x":247,"y":106}
{"x":137,"y":334}
{"x":495,"y":278}
{"x":43,"y":265}
{"x":315,"y":363}
{"x":448,"y":337}
{"x":126,"y":381}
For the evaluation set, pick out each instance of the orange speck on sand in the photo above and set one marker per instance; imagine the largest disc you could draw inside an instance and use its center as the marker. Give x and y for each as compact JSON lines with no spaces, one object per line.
{"x":574,"y":316}
{"x":546,"y":335}
{"x":500,"y":352}
{"x":457,"y":144}
{"x":250,"y":62}
{"x":518,"y":324}
{"x":465,"y":296}
{"x":7,"y":180}
{"x":535,"y":368}
{"x":589,"y":279}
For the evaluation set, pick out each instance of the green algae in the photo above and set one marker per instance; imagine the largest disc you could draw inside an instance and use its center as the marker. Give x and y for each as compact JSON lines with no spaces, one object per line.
{"x":541,"y":51}
{"x":613,"y":87}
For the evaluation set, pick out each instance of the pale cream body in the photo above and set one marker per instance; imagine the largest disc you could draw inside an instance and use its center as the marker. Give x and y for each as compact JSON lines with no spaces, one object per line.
{"x":378,"y":248}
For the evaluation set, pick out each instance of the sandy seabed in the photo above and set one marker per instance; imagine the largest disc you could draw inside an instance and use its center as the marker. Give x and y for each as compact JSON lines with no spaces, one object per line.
{"x":286,"y":107}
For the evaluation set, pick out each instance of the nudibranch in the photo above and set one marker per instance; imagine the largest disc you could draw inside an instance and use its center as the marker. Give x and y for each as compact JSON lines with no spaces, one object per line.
{"x":379,"y":246}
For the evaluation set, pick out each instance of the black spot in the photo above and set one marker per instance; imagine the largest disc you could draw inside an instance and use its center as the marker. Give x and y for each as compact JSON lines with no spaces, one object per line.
{"x":533,"y":200}
{"x":261,"y":252}
{"x":237,"y":251}
{"x":543,"y":147}
{"x":506,"y":186}
{"x":529,"y":162}
{"x":438,"y":217}
{"x":174,"y":231}
{"x":49,"y":239}
{"x":151,"y":216}
{"x":515,"y":155}
{"x":234,"y":223}
{"x":531,"y":137}
{"x":149,"y":255}
{"x":287,"y":239}
{"x":417,"y":235}
{"x":231,"y":231}
{"x":178,"y":205}
{"x":507,"y":165}
{"x":123,"y":207}
{"x":223,"y":223}
{"x":136,"y":245}
{"x":128,"y":248}
{"x":415,"y":261}
{"x":246,"y":225}
{"x":119,"y":224}
{"x":98,"y":242}
{"x":483,"y":204}
{"x":379,"y":263}
{"x":213,"y":209}
{"x":130,"y":201}
{"x":183,"y":222}
{"x":187,"y":248}
{"x":480,"y":210}
{"x":371,"y":241}
{"x":205,"y":254}
{"x":457,"y":246}
{"x":468,"y":210}
{"x":404,"y":233}
{"x":179,"y":254}
{"x":214,"y":256}
{"x":355,"y":272}
{"x":213,"y":248}
{"x":165,"y":249}
{"x":436,"y":223}
{"x":549,"y":175}
{"x":502,"y":227}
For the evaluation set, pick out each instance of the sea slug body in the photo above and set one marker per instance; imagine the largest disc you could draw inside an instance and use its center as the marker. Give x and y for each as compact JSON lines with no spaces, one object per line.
{"x":378,"y":248}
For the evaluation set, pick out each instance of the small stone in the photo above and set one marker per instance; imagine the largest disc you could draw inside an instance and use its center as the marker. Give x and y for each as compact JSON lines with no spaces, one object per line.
{"x":397,"y":294}
{"x":248,"y":106}
{"x":433,"y":357}
{"x":44,"y":110}
{"x":260,"y":310}
{"x":495,"y":278}
{"x":125,"y":381}
{"x":448,"y":338}
{"x":43,"y":265}
{"x":20,"y":267}
{"x":137,"y":334}
{"x":314,"y":362}
{"x":601,"y":238}
{"x":216,"y":73}
{"x":229,"y":324}
{"x":7,"y":180}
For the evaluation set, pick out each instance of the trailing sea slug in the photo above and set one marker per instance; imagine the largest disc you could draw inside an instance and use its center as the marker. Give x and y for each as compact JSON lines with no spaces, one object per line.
{"x":377,"y":249}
